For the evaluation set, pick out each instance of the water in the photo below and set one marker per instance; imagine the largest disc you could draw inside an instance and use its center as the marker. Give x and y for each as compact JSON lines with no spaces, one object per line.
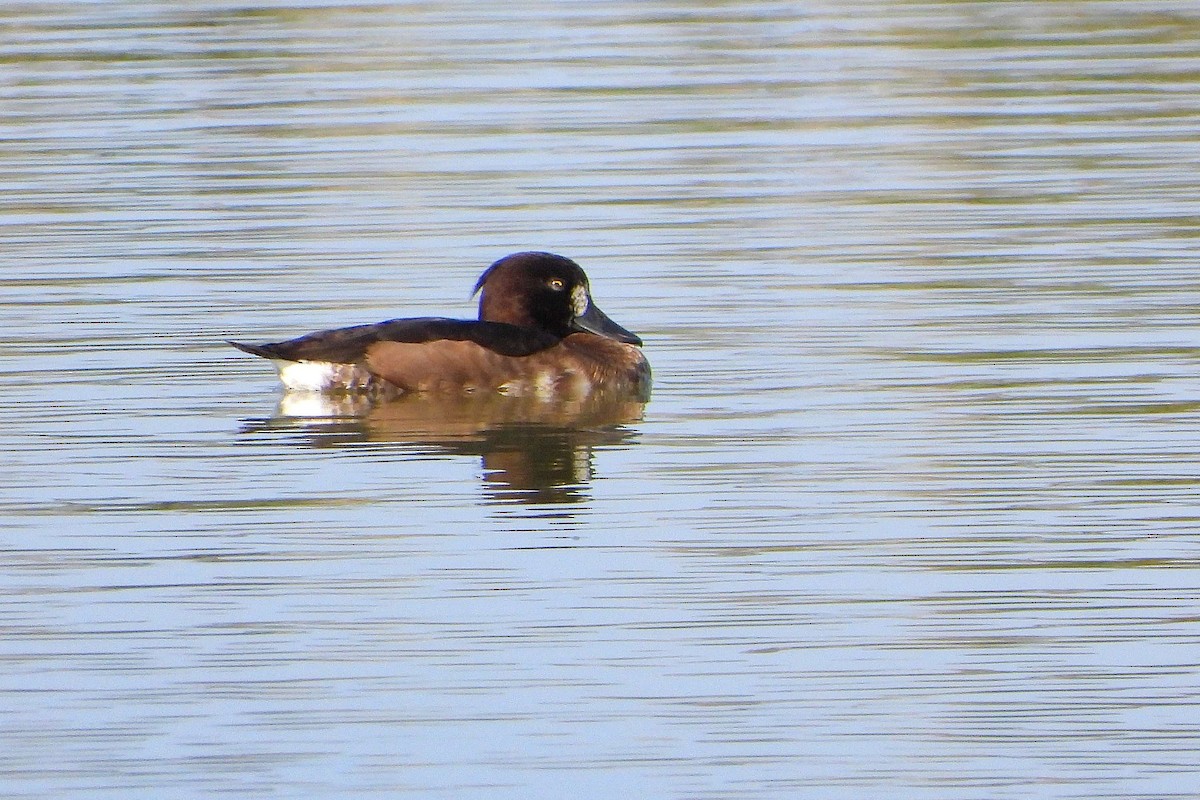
{"x":912,"y":511}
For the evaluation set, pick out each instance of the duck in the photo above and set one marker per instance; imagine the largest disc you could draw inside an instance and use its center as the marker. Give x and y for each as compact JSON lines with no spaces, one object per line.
{"x":538,"y":333}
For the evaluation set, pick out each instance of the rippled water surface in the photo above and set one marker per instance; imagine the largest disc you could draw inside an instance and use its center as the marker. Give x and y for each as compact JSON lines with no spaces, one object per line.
{"x":913,"y":511}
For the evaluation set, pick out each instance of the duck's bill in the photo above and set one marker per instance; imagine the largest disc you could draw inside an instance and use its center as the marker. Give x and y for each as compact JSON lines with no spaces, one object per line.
{"x":596,"y":321}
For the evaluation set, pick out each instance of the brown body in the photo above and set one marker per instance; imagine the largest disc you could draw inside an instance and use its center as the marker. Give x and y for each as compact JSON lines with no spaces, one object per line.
{"x":577,"y":364}
{"x":538,"y":333}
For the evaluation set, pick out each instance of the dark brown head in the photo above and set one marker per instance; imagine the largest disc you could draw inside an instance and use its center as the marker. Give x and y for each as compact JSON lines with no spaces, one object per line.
{"x":545,"y":292}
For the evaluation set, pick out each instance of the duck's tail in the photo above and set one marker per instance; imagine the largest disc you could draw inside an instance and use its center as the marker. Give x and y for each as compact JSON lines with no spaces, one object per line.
{"x":262,"y":351}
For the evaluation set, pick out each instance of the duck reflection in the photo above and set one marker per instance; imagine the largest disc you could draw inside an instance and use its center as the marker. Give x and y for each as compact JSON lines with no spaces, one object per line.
{"x":533,"y":451}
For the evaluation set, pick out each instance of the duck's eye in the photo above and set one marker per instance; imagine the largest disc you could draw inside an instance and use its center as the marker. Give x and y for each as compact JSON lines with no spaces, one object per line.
{"x":557,"y":284}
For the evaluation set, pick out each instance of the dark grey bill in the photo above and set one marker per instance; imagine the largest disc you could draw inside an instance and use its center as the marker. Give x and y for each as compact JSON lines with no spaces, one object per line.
{"x":596,"y":321}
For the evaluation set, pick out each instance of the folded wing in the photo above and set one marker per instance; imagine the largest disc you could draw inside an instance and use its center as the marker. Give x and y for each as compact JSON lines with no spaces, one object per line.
{"x":350,"y":345}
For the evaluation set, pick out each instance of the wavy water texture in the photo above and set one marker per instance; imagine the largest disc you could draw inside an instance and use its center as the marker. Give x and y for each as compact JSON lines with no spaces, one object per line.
{"x":913,"y":509}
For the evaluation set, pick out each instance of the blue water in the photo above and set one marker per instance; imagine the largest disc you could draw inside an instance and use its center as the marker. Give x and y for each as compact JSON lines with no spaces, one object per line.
{"x":911,"y":513}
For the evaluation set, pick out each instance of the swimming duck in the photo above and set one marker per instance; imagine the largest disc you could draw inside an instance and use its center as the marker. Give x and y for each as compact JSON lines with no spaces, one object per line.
{"x":538,"y":332}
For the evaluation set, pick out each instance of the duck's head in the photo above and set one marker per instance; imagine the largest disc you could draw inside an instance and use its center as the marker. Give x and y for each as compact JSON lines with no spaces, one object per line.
{"x":547,"y":292}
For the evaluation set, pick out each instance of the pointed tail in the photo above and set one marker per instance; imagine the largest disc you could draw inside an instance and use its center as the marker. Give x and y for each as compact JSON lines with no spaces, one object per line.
{"x":263,"y":351}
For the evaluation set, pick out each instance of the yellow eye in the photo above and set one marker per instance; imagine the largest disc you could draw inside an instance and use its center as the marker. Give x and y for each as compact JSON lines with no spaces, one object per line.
{"x":556,"y":284}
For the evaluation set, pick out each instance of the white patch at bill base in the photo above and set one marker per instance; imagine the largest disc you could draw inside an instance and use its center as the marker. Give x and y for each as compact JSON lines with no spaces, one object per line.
{"x":580,"y":300}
